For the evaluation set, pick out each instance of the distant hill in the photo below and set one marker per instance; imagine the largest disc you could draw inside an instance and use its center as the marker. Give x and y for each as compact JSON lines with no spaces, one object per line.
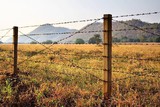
{"x":136,"y":35}
{"x":118,"y":36}
{"x":46,"y":28}
{"x":124,"y":35}
{"x":86,"y":36}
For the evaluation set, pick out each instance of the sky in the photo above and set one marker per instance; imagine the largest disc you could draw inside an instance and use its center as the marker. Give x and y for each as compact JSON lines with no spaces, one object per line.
{"x":30,"y":12}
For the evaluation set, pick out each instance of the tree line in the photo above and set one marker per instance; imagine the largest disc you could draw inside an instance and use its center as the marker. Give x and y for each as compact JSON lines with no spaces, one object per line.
{"x":96,"y":39}
{"x":139,"y":39}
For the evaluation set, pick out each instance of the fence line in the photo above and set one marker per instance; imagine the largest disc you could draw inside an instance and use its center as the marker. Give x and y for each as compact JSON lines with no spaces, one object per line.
{"x":106,"y":56}
{"x":5,"y":29}
{"x":68,"y":61}
{"x":93,"y":56}
{"x":77,"y":32}
{"x":88,"y":20}
{"x":60,"y":23}
{"x":91,"y":31}
{"x":135,"y":73}
{"x":114,"y":71}
{"x":56,"y":41}
{"x":5,"y":34}
{"x":136,"y":27}
{"x":134,"y":43}
{"x":150,"y":28}
{"x":139,"y":59}
{"x":139,"y":14}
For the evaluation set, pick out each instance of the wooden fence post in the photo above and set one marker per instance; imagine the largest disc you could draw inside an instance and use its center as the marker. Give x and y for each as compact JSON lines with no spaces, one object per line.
{"x":15,"y":43}
{"x":107,"y":43}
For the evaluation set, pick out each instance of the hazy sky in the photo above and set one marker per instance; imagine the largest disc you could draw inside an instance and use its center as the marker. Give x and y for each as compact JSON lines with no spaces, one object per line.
{"x":29,"y":12}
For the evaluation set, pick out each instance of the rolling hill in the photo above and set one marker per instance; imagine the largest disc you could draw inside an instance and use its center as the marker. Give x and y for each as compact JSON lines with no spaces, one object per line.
{"x":121,"y":34}
{"x":46,"y":28}
{"x":118,"y":36}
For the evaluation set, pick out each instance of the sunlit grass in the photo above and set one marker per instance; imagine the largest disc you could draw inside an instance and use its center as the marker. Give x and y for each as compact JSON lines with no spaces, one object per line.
{"x":58,"y":77}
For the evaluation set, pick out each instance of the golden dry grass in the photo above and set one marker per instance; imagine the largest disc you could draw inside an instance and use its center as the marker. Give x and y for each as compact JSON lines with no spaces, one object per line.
{"x":54,"y":80}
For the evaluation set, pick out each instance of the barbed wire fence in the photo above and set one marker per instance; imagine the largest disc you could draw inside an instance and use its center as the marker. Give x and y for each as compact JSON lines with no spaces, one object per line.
{"x":132,"y":76}
{"x":8,"y":64}
{"x":128,"y":75}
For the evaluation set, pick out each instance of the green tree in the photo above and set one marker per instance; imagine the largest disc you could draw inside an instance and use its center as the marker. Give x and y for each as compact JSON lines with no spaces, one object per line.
{"x":47,"y":42}
{"x":124,"y":39}
{"x":116,"y":40}
{"x":33,"y":42}
{"x":92,"y":40}
{"x":131,"y":40}
{"x":158,"y":39}
{"x":136,"y":40}
{"x":55,"y":42}
{"x":79,"y":41}
{"x":96,"y":39}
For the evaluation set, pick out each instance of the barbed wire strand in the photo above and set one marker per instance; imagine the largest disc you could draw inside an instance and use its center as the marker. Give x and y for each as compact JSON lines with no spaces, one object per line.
{"x":138,"y":28}
{"x":70,"y":62}
{"x":86,"y":54}
{"x":91,"y":56}
{"x":139,"y":14}
{"x":69,"y":65}
{"x":93,"y":31}
{"x":7,"y":56}
{"x":142,"y":59}
{"x":75,"y":65}
{"x":87,"y":20}
{"x":137,"y":73}
{"x":5,"y":29}
{"x":60,"y":23}
{"x":6,"y":33}
{"x":60,"y":39}
{"x":59,"y":33}
{"x":129,"y":43}
{"x":130,"y":25}
{"x":129,"y":77}
{"x":150,"y":28}
{"x":57,"y":53}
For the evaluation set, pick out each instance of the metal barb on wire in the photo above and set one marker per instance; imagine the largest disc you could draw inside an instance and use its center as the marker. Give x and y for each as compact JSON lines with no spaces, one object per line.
{"x":56,"y":41}
{"x":77,"y":31}
{"x":139,"y":14}
{"x":60,"y":23}
{"x":138,"y":28}
{"x":75,"y":65}
{"x":59,"y":33}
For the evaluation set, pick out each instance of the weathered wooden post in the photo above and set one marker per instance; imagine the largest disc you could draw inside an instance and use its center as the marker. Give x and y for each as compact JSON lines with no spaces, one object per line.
{"x":107,"y":43}
{"x":15,"y":43}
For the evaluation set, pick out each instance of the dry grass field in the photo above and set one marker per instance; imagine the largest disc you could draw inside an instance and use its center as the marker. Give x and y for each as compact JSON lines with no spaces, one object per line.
{"x":61,"y":76}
